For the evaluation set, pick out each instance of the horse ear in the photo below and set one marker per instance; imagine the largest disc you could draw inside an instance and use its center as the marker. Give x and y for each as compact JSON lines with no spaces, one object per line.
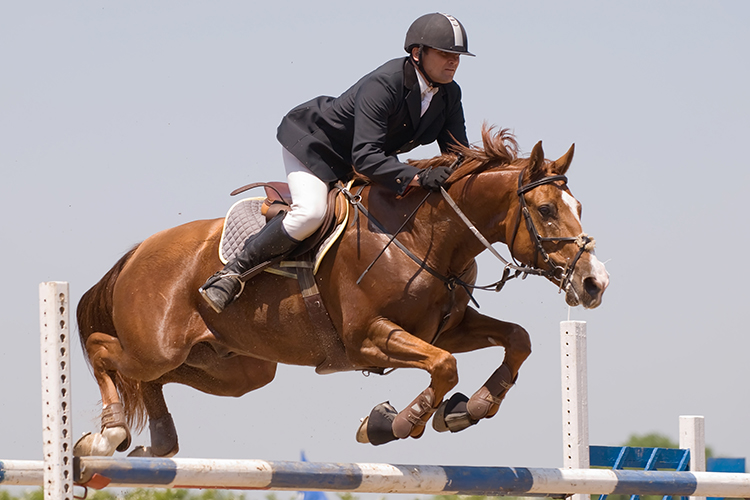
{"x":535,"y":170}
{"x":560,"y":166}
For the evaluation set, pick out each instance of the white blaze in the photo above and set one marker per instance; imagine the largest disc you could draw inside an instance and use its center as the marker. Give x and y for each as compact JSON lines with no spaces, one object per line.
{"x":572,"y":203}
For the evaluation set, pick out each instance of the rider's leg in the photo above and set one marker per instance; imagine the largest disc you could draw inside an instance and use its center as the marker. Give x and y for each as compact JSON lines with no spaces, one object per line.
{"x":309,"y":198}
{"x":278,"y":237}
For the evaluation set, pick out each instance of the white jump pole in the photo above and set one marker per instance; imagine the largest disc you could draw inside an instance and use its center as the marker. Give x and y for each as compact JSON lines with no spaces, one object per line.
{"x":575,"y":406}
{"x":57,"y":433}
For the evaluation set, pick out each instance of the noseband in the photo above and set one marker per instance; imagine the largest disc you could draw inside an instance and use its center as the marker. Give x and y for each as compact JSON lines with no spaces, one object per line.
{"x":583,"y":241}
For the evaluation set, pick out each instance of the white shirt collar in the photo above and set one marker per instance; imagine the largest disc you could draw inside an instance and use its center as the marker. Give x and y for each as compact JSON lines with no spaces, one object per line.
{"x":427,"y":92}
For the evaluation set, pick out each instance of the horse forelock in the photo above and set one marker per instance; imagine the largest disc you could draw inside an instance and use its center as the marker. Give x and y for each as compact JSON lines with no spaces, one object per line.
{"x":499,"y":149}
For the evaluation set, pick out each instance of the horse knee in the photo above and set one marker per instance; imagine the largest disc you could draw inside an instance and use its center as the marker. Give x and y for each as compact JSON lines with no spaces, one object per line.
{"x":519,"y":343}
{"x":445,"y":370}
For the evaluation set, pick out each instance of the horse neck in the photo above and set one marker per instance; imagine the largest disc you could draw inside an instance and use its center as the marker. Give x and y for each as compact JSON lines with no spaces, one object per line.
{"x":488,"y":200}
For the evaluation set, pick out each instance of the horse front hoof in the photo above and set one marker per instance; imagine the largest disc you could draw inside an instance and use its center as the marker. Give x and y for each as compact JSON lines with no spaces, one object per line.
{"x":377,"y":428}
{"x":362,"y":431}
{"x":452,"y":415}
{"x":104,"y":444}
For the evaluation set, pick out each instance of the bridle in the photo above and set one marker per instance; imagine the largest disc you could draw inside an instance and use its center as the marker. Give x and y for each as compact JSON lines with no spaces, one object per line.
{"x":583,"y":241}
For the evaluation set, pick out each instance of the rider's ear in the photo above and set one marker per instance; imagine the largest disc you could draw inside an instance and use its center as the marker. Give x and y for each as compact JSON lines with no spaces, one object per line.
{"x":535,"y":170}
{"x":560,"y":166}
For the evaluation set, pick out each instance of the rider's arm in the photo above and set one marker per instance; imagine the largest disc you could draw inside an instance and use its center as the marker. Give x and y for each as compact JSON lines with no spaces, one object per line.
{"x":375,"y":101}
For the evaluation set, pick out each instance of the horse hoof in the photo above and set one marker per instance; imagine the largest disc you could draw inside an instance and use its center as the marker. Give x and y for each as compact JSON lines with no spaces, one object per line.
{"x":104,"y":444}
{"x":362,"y":431}
{"x":452,"y":415}
{"x":377,"y":428}
{"x":141,"y":451}
{"x":148,"y":451}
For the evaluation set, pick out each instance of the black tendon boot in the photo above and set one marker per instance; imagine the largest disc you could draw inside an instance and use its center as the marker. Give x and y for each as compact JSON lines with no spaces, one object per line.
{"x":272,"y":241}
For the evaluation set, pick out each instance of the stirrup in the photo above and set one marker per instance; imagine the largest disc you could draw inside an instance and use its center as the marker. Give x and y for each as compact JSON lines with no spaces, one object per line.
{"x":215,"y":278}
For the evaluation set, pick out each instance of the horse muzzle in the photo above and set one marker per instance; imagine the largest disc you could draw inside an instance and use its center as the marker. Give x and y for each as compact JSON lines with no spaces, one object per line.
{"x":588,"y":283}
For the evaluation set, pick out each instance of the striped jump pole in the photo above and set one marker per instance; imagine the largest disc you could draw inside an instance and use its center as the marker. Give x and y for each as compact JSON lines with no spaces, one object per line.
{"x":388,"y":478}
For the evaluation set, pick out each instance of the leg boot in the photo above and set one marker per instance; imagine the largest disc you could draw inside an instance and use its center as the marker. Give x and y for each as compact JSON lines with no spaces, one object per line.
{"x":270,"y":242}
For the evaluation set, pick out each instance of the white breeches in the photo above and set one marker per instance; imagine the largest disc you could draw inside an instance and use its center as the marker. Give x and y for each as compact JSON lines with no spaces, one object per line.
{"x":309,"y":198}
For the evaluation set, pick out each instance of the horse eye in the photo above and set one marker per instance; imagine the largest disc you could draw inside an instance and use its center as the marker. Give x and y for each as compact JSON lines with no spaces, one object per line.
{"x":546,"y":211}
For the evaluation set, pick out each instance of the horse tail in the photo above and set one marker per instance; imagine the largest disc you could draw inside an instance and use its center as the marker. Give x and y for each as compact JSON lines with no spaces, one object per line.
{"x":94,"y":314}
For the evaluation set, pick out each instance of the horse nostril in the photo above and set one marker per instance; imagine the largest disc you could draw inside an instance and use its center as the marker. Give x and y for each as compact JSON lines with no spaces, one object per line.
{"x":591,"y":287}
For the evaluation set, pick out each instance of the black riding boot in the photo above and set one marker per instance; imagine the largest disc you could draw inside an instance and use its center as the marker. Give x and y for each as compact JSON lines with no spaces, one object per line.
{"x":226,"y":285}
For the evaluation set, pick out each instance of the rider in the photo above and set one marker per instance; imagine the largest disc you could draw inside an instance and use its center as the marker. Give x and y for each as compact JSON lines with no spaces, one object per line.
{"x":404,"y":103}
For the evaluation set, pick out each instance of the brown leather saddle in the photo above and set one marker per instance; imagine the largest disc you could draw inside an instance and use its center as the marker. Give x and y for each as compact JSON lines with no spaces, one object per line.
{"x":278,"y":199}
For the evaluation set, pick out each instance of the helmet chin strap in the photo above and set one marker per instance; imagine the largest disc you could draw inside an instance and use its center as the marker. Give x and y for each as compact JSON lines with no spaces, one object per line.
{"x":418,"y":63}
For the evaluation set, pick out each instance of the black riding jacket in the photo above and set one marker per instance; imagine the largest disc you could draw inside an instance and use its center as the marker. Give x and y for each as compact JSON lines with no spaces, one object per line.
{"x":369,"y":124}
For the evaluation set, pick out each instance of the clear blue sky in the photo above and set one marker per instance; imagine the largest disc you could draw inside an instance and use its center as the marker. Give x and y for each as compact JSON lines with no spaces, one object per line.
{"x":121,"y":119}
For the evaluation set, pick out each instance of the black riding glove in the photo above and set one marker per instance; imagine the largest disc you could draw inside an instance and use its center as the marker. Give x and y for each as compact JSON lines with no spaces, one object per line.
{"x":434,"y":178}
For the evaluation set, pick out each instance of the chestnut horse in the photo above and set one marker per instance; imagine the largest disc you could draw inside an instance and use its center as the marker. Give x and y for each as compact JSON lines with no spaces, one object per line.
{"x":145,"y":325}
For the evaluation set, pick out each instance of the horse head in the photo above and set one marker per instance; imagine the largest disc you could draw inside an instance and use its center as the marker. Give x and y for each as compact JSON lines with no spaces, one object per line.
{"x":537,"y":216}
{"x":554,"y":233}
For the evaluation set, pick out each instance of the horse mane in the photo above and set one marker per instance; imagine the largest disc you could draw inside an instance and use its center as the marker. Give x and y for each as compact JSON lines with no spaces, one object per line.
{"x":499,"y":149}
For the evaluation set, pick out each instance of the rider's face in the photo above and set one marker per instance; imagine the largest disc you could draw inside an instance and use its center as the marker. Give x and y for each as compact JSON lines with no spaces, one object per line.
{"x":440,"y":66}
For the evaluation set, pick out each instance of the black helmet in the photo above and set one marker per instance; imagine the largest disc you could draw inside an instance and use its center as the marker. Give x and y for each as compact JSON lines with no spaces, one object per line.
{"x":438,"y":31}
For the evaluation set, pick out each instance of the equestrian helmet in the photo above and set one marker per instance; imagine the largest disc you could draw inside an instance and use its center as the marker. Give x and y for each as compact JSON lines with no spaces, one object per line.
{"x":438,"y":31}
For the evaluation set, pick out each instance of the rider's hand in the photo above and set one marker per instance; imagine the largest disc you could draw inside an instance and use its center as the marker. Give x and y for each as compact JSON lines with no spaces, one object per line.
{"x":434,"y":178}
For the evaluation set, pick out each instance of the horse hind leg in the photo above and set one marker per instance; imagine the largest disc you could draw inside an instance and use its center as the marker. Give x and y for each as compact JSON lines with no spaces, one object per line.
{"x":161,"y":426}
{"x":106,"y":357}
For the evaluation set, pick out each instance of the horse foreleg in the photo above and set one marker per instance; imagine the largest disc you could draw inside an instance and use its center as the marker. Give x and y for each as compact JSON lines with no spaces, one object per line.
{"x":388,"y":345}
{"x":477,"y":331}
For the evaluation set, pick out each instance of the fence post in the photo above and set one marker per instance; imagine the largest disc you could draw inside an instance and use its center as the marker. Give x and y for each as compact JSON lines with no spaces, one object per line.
{"x":575,"y":405}
{"x":56,"y":409}
{"x":693,"y":438}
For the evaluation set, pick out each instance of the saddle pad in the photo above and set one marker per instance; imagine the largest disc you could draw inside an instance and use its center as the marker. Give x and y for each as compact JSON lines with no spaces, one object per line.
{"x":243,"y":219}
